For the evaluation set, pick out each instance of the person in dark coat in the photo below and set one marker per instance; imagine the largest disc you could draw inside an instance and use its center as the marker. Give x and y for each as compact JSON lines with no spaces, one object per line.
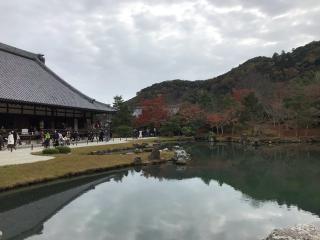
{"x":56,"y":138}
{"x":15,"y":137}
{"x":101,"y":136}
{"x":1,"y":142}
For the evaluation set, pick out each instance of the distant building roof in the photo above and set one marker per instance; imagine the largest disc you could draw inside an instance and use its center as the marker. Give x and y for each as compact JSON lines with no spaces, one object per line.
{"x":25,"y":78}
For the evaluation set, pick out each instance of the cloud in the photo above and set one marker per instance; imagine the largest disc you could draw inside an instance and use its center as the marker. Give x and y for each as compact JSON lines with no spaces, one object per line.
{"x":105,"y":48}
{"x":140,"y":208}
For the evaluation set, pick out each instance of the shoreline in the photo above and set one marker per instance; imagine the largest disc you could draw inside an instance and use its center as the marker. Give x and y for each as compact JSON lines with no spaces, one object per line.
{"x":31,"y":174}
{"x":79,"y":162}
{"x":88,"y":172}
{"x":250,"y":140}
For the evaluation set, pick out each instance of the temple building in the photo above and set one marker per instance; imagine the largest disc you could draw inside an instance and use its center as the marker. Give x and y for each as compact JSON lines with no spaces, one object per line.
{"x":32,"y":96}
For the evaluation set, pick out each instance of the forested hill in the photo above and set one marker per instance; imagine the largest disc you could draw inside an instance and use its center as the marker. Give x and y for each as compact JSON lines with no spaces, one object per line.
{"x":262,"y":75}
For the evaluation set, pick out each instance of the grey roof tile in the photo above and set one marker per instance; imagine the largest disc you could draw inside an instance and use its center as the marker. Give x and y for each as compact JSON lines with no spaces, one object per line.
{"x":24,"y":78}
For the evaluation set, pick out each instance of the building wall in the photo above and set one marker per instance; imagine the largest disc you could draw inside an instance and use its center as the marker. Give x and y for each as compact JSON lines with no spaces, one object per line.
{"x":24,"y":116}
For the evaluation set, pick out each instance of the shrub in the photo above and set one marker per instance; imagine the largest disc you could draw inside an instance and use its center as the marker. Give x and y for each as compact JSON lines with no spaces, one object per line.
{"x":123,"y":131}
{"x":63,"y":149}
{"x":50,"y":151}
{"x":188,"y":131}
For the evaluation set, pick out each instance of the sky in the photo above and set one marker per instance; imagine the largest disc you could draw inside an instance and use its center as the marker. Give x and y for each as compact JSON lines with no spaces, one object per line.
{"x":117,"y":47}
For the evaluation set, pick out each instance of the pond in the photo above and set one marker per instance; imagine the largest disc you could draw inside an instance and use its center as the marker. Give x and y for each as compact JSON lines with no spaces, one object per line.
{"x":226,"y":192}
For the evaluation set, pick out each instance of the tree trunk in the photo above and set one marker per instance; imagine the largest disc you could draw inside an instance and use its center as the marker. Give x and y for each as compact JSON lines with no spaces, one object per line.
{"x":297,"y":133}
{"x":217,"y":129}
{"x":307,"y":131}
{"x":232,"y":130}
{"x":279,"y":132}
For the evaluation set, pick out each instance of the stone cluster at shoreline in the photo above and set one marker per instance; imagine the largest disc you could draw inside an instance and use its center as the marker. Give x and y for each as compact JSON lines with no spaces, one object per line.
{"x":298,"y":232}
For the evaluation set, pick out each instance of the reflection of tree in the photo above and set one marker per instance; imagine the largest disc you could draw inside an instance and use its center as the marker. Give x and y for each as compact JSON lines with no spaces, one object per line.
{"x":288,"y":174}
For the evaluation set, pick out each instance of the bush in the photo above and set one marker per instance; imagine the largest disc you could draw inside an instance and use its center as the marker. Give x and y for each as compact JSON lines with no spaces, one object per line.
{"x":50,"y":151}
{"x":123,"y":131}
{"x":171,"y":128}
{"x":202,"y":136}
{"x":56,"y":150}
{"x":188,"y":131}
{"x":63,"y":149}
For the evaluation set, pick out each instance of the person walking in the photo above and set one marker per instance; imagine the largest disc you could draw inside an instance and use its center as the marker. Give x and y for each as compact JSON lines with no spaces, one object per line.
{"x":10,"y":141}
{"x":47,"y":140}
{"x":1,"y":142}
{"x":18,"y":139}
{"x":3,"y":131}
{"x":101,"y":136}
{"x":15,"y":137}
{"x":56,"y":138}
{"x":42,"y":138}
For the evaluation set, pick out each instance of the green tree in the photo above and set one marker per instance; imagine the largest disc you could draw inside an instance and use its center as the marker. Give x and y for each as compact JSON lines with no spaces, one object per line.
{"x":253,"y":110}
{"x":300,"y":110}
{"x":123,"y":116}
{"x":171,"y":127}
{"x":124,"y":131}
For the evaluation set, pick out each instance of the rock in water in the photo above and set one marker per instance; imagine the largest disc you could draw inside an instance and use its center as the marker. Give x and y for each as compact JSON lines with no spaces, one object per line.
{"x":155,"y":154}
{"x":1,"y":234}
{"x":302,"y":231}
{"x":181,"y":157}
{"x":137,"y":160}
{"x":181,"y":161}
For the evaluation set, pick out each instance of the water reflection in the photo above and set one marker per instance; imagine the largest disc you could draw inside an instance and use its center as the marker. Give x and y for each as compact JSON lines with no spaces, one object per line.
{"x":23,"y":212}
{"x":227,"y":192}
{"x":288,"y":174}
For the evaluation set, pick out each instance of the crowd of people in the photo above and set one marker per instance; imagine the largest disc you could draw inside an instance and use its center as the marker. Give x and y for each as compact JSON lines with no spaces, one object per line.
{"x":48,"y":138}
{"x":146,"y":132}
{"x":66,"y":138}
{"x":59,"y":138}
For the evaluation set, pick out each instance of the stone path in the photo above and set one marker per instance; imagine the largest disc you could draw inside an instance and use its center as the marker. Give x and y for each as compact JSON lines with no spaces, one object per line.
{"x":23,"y":155}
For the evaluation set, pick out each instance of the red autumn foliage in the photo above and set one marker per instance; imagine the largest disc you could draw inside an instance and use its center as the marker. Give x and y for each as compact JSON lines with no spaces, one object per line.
{"x":215,"y":119}
{"x":240,"y":94}
{"x":190,"y":113}
{"x":154,"y":112}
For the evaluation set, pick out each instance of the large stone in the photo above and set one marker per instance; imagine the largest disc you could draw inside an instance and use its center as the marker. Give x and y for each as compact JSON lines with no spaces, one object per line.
{"x":181,"y":161}
{"x":302,"y":231}
{"x":181,"y":156}
{"x":137,"y":160}
{"x":155,"y":154}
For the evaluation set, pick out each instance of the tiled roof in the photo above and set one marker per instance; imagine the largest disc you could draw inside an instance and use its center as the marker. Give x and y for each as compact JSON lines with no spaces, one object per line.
{"x":25,"y":78}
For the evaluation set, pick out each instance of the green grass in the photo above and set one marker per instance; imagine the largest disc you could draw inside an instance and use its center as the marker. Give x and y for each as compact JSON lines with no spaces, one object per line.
{"x":65,"y":165}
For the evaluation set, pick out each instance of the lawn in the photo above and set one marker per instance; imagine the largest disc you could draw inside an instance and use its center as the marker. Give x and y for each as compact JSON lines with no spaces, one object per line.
{"x":66,"y":165}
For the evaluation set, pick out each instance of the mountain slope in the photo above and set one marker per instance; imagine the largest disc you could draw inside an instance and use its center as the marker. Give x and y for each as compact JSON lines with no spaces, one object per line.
{"x":261,"y":74}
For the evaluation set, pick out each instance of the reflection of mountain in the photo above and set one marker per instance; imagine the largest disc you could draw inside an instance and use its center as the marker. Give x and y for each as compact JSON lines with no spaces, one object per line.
{"x":22,"y":213}
{"x":289,"y":174}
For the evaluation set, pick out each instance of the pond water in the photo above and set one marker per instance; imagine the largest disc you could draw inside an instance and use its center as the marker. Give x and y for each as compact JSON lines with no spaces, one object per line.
{"x":226,"y":192}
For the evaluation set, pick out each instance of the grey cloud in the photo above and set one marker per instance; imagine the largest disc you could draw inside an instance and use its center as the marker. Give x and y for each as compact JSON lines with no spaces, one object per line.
{"x":107,"y":47}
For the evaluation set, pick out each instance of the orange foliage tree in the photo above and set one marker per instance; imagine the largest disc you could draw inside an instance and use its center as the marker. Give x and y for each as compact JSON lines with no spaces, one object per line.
{"x":240,"y":94}
{"x":154,"y":112}
{"x":191,"y":113}
{"x":217,"y":120}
